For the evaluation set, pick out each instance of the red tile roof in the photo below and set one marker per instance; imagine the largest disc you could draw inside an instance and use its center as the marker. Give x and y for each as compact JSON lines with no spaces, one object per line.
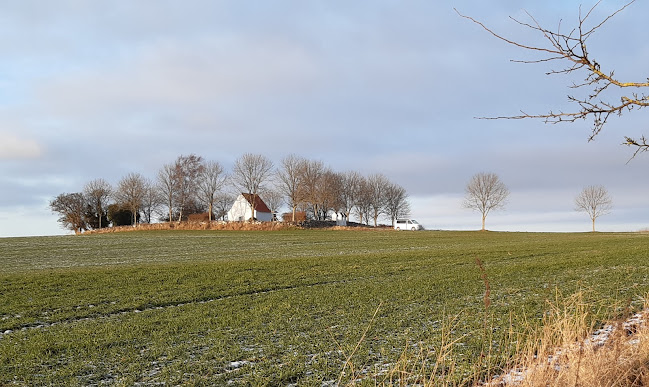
{"x":259,"y":205}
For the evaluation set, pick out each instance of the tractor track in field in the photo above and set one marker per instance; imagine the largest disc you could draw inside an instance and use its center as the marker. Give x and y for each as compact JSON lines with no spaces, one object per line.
{"x":148,"y":308}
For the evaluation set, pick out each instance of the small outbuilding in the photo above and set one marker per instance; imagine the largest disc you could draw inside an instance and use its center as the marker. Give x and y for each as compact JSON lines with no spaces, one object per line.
{"x":242,"y":209}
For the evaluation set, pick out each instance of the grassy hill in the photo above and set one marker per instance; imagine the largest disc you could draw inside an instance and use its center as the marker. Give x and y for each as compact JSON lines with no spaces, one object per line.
{"x":282,"y":307}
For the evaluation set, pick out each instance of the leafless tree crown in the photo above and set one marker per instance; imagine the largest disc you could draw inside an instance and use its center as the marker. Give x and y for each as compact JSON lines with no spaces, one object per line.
{"x":273,"y":199}
{"x":167,"y":186}
{"x":595,"y":201}
{"x":310,"y":176}
{"x":130,"y":193}
{"x":187,"y":173}
{"x":377,"y":185}
{"x":251,"y":173}
{"x":98,"y":193}
{"x":607,"y":95}
{"x":210,"y":182}
{"x":396,"y":202}
{"x":151,"y":201}
{"x":222,"y":204}
{"x":289,"y":181}
{"x":351,"y":182}
{"x":485,"y":192}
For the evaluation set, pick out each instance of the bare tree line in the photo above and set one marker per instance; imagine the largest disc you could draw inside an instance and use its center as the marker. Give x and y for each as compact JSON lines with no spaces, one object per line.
{"x":192,"y":185}
{"x":485,"y":192}
{"x":310,"y":186}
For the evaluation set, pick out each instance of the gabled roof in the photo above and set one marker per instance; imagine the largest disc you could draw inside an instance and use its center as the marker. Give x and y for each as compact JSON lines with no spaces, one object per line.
{"x":259,"y":205}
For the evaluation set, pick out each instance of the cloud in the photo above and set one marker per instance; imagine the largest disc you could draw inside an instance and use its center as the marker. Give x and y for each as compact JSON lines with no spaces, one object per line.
{"x":173,"y":74}
{"x":13,"y":147}
{"x":369,"y":86}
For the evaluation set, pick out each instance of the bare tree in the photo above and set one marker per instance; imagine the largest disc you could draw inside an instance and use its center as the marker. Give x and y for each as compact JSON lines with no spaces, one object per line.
{"x":98,"y":193}
{"x":71,"y":208}
{"x":330,"y":193}
{"x":484,"y":193}
{"x":350,"y":191}
{"x":167,"y":187}
{"x":396,"y":202}
{"x":289,"y":180}
{"x":250,"y":174}
{"x":273,"y":199}
{"x":310,"y":176}
{"x":187,"y":171}
{"x":363,"y":205}
{"x":151,"y":201}
{"x":322,"y":190}
{"x":569,"y":46}
{"x":595,"y":201}
{"x":376,"y":188}
{"x":130,"y":193}
{"x":211,"y":181}
{"x":222,"y":204}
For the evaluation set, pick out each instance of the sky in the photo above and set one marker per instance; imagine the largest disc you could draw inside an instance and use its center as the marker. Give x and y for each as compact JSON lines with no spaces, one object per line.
{"x":99,"y":89}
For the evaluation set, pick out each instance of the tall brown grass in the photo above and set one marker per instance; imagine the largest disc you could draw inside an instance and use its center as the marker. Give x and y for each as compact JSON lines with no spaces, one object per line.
{"x":566,"y":349}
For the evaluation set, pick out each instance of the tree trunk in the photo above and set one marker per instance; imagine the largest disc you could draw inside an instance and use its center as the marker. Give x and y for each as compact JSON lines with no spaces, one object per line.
{"x":294,"y":208}
{"x":209,"y":216}
{"x":483,"y":221}
{"x":593,"y":224}
{"x":252,"y":207}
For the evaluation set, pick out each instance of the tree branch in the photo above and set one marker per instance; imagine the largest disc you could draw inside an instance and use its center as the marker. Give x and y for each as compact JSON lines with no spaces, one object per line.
{"x":572,"y":48}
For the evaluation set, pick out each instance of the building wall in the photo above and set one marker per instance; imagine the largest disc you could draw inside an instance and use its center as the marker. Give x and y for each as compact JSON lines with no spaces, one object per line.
{"x":241,"y":212}
{"x":263,"y":216}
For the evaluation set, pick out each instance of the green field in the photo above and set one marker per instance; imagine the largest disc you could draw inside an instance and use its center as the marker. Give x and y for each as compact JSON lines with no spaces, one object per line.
{"x":288,"y":307}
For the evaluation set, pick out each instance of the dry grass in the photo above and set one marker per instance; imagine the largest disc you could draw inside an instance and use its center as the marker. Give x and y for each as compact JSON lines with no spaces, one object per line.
{"x":570,"y":353}
{"x":562,"y":352}
{"x":219,"y":225}
{"x":216,"y":225}
{"x":565,"y":350}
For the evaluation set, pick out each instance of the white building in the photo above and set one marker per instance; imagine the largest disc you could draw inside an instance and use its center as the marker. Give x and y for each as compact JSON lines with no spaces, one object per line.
{"x":241,"y":210}
{"x":340,"y":218}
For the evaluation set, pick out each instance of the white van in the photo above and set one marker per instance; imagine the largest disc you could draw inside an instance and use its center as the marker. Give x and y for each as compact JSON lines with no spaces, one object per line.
{"x":407,"y":224}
